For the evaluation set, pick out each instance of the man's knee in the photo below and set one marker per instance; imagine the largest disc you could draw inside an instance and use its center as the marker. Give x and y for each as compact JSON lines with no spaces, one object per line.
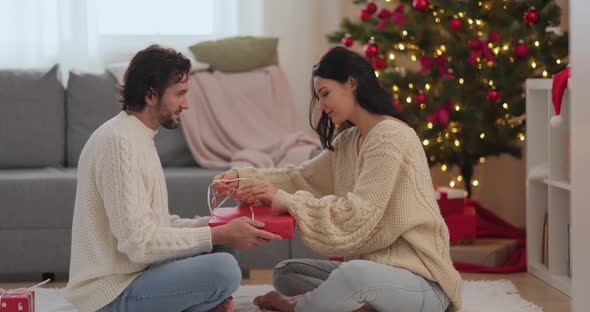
{"x":226,"y":271}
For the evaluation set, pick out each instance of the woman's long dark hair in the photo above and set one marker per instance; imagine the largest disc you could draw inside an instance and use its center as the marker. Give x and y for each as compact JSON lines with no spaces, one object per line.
{"x":340,"y":64}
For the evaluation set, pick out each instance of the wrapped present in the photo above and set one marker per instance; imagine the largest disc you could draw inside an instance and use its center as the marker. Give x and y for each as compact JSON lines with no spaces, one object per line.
{"x":450,"y":201}
{"x":20,"y":300}
{"x":462,"y":228}
{"x":280,"y":224}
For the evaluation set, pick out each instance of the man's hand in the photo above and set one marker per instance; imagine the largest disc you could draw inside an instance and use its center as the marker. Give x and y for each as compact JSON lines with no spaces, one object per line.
{"x":255,"y":191}
{"x":242,"y":233}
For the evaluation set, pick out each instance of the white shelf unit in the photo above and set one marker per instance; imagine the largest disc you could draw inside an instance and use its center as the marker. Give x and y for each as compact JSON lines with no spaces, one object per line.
{"x":548,"y":187}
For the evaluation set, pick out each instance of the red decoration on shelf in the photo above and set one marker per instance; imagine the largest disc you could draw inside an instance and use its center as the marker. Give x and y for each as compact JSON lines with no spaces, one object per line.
{"x":420,"y":98}
{"x":456,"y":23}
{"x":493,"y":95}
{"x":371,"y":49}
{"x":531,"y":16}
{"x":379,"y":63}
{"x":521,"y":50}
{"x":421,"y":5}
{"x":364,"y":15}
{"x":371,"y":8}
{"x":347,"y":40}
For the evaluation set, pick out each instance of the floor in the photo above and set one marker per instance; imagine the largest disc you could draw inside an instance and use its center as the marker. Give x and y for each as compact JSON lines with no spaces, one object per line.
{"x":530,"y":287}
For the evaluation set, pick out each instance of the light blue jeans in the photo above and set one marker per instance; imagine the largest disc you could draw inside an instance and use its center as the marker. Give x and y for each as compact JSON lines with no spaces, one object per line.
{"x":343,"y":287}
{"x":194,"y":284}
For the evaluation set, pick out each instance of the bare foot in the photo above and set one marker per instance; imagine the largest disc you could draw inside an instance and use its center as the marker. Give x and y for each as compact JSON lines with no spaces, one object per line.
{"x":277,"y":302}
{"x":226,"y":306}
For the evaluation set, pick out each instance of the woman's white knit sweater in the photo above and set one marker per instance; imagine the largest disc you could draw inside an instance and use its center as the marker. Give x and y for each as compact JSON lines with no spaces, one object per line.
{"x":376,"y":204}
{"x":121,"y":221}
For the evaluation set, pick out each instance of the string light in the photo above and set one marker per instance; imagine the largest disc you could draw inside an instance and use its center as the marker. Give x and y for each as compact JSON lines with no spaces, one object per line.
{"x":443,"y":167}
{"x":443,"y":48}
{"x":558,"y":61}
{"x":411,"y":85}
{"x":461,"y":14}
{"x":534,"y":65}
{"x":521,"y":136}
{"x":395,"y":88}
{"x":413,"y":57}
{"x":536,"y":43}
{"x":480,"y":33}
{"x":391,"y":56}
{"x":457,"y":108}
{"x":437,"y":20}
{"x":496,"y":50}
{"x":457,"y":143}
{"x":482,"y":136}
{"x":377,"y":74}
{"x":404,"y":33}
{"x":454,"y":130}
{"x":427,"y":87}
{"x":505,"y":47}
{"x":430,"y":125}
{"x":461,"y":80}
{"x":439,"y":52}
{"x":422,"y":106}
{"x":452,"y":184}
{"x":482,"y":160}
{"x":401,"y":46}
{"x":409,"y":99}
{"x":505,"y":105}
{"x":545,"y":74}
{"x":439,"y":140}
{"x":475,"y":183}
{"x":470,"y":21}
{"x":491,"y":83}
{"x":425,"y":142}
{"x":478,"y":22}
{"x":460,"y":178}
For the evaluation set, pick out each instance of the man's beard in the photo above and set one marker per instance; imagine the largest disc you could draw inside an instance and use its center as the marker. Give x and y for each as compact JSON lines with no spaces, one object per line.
{"x":167,"y":118}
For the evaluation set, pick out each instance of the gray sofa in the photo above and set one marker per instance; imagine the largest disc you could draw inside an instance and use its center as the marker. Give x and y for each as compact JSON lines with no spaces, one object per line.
{"x":43,"y":129}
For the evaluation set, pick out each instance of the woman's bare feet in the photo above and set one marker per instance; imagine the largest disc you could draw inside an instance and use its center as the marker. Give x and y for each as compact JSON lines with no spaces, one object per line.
{"x":277,"y":302}
{"x":226,"y":306}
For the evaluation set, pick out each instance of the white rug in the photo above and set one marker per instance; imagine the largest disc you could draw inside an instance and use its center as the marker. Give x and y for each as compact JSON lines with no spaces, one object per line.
{"x":478,"y":296}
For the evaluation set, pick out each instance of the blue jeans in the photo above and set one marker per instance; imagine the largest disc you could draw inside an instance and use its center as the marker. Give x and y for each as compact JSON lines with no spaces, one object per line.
{"x":194,"y":284}
{"x":331,"y":286}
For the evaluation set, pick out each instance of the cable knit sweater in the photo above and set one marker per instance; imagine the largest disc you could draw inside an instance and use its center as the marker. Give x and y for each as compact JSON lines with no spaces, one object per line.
{"x":121,"y":220}
{"x":376,"y":203}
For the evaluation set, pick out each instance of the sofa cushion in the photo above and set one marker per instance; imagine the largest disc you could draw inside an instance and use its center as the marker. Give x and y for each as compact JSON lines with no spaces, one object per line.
{"x":92,"y":100}
{"x":37,"y":198}
{"x":32,"y":131}
{"x":237,"y":54}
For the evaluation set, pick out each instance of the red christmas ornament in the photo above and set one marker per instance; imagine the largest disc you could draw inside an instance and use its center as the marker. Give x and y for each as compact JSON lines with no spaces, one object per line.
{"x":364,"y":15}
{"x":371,"y":49}
{"x":531,"y":16}
{"x":421,"y":5}
{"x":371,"y":8}
{"x":456,"y":23}
{"x":347,"y":40}
{"x":521,"y":50}
{"x":420,"y":98}
{"x":493,"y":95}
{"x":379,"y":63}
{"x":398,"y":105}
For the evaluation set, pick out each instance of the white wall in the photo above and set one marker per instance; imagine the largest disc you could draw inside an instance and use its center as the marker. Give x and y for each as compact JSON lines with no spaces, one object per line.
{"x":580,"y":152}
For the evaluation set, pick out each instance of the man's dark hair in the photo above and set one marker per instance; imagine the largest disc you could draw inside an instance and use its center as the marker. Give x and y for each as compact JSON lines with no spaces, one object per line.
{"x":150,"y":72}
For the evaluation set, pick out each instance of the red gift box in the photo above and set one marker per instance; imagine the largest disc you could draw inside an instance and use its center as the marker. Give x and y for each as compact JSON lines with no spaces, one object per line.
{"x":21,"y":300}
{"x":450,"y":201}
{"x":280,"y":224}
{"x":462,"y":228}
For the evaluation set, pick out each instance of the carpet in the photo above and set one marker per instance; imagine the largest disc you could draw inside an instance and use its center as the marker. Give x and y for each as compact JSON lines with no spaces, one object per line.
{"x":478,"y":296}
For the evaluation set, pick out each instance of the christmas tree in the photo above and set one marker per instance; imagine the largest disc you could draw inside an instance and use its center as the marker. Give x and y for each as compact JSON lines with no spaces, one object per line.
{"x":465,"y":97}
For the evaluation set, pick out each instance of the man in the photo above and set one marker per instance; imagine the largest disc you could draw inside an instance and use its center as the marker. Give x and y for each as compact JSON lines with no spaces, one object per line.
{"x":128,"y":252}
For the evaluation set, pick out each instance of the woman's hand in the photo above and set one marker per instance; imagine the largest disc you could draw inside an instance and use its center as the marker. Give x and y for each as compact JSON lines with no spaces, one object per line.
{"x":255,"y":191}
{"x":222,"y":188}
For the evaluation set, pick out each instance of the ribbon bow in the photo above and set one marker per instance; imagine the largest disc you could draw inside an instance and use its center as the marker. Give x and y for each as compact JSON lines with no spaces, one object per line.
{"x":441,"y":60}
{"x":214,"y":200}
{"x":479,"y":47}
{"x":397,"y":15}
{"x":4,"y":292}
{"x":442,"y":114}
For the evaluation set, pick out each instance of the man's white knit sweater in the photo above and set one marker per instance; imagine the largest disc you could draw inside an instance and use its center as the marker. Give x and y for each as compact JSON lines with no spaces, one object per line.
{"x":375,"y":204}
{"x":121,"y":220}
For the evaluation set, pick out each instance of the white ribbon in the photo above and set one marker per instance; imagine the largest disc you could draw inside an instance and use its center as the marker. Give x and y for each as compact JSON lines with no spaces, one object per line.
{"x":5,"y":292}
{"x":209,"y":200}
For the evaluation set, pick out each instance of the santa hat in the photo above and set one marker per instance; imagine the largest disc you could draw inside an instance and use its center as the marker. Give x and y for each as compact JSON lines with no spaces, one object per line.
{"x":557,"y":90}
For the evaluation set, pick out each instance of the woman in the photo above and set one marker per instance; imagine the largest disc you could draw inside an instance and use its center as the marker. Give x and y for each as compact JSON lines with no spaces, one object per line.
{"x":368,"y":197}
